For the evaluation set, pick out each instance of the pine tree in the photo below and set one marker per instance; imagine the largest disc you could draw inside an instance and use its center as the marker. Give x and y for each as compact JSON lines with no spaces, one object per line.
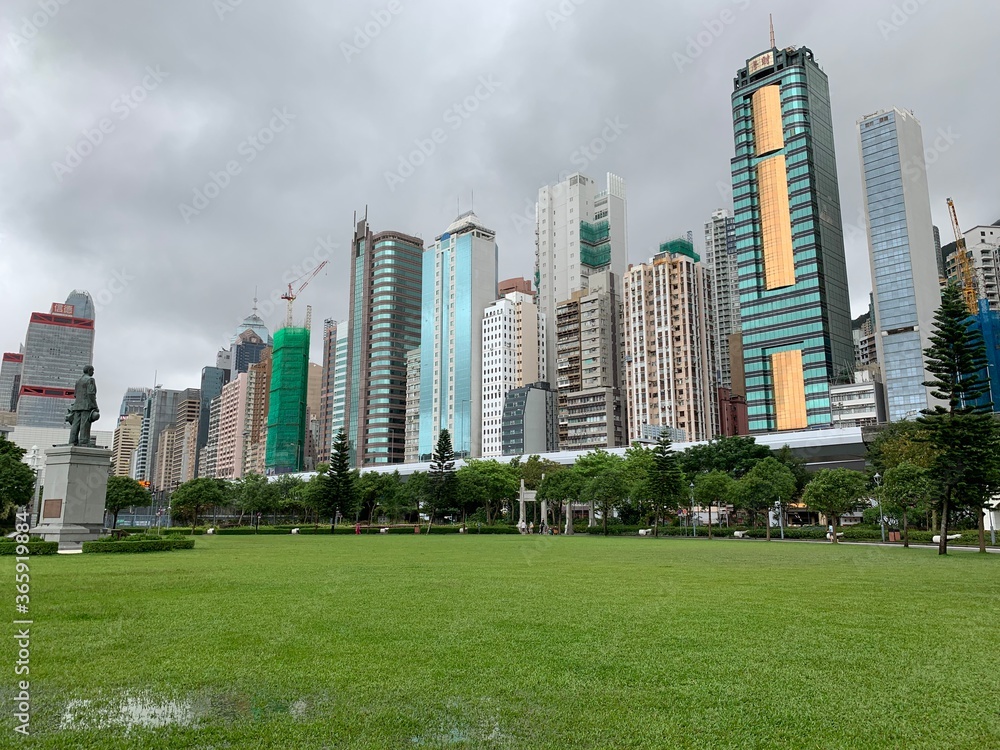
{"x":666,"y":478}
{"x":338,"y":486}
{"x":442,"y":477}
{"x":965,"y":434}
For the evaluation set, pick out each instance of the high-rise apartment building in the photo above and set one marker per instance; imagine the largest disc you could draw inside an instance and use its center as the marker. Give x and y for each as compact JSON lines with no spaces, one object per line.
{"x":411,"y":453}
{"x":669,"y":345}
{"x":905,"y":282}
{"x":209,"y":455}
{"x":57,"y":346}
{"x":580,"y":231}
{"x":588,"y":335}
{"x":982,"y":247}
{"x":233,"y":433}
{"x":794,"y":303}
{"x":514,"y":355}
{"x":326,"y":386}
{"x":517,"y":284}
{"x":258,"y":401}
{"x":384,"y":324}
{"x":286,"y":416}
{"x":459,"y":281}
{"x":126,"y":440}
{"x":723,"y":272}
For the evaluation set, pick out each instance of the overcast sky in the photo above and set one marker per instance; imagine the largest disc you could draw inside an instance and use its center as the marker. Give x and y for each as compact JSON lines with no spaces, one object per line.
{"x":306,"y":111}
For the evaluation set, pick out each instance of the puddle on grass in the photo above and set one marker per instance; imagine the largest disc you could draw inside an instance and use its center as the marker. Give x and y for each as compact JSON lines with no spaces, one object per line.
{"x":129,"y":711}
{"x":464,"y":725}
{"x":143,"y":710}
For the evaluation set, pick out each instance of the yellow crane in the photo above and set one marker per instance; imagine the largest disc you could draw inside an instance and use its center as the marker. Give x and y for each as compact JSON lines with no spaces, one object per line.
{"x":966,"y":275}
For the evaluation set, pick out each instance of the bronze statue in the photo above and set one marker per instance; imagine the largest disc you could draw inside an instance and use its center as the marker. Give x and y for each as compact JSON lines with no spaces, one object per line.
{"x":84,"y":410}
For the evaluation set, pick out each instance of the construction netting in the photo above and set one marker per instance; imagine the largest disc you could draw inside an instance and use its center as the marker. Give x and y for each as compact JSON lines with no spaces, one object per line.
{"x":286,"y":416}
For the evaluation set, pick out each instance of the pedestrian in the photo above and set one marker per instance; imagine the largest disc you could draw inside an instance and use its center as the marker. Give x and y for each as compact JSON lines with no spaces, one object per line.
{"x":531,"y":527}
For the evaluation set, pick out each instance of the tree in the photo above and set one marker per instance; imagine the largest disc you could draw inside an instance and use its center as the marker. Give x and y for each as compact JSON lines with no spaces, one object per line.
{"x":637,"y":506}
{"x":337,"y":489}
{"x":124,"y":492}
{"x":535,"y":468}
{"x":17,"y":479}
{"x":441,"y":474}
{"x":605,"y":491}
{"x":965,"y":435}
{"x":733,"y":455}
{"x":715,"y":487}
{"x":290,"y":492}
{"x":415,"y":491}
{"x":487,"y":485}
{"x":834,"y":492}
{"x":899,"y":442}
{"x":590,"y":466}
{"x":561,"y":489}
{"x":254,"y":494}
{"x":666,"y":480}
{"x":767,"y":484}
{"x":196,"y":496}
{"x":905,"y":487}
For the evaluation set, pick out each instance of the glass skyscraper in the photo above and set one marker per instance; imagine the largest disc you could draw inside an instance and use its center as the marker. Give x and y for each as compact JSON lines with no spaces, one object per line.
{"x":794,"y":303}
{"x":459,"y":281}
{"x":384,"y":325}
{"x":904,"y":267}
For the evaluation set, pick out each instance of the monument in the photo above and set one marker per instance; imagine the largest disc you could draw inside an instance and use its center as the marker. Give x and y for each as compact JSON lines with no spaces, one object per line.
{"x":76,"y":476}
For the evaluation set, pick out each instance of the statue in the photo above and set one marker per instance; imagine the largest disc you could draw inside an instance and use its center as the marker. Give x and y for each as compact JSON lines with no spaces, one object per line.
{"x":84,"y":410}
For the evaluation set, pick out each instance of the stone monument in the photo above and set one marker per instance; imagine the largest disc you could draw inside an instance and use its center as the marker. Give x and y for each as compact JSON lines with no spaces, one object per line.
{"x":76,"y":476}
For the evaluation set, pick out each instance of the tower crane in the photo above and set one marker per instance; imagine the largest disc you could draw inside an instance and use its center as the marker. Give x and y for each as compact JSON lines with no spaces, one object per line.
{"x":966,"y":275}
{"x":291,"y":295}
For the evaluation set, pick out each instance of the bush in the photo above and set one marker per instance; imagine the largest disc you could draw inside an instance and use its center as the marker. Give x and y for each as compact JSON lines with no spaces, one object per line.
{"x":35,"y":547}
{"x":145,"y":545}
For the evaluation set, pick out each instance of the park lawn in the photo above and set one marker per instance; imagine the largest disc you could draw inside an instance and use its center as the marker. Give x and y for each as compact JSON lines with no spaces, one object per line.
{"x":511,"y":642}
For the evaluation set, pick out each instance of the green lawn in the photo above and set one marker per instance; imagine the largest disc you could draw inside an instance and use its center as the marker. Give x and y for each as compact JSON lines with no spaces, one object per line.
{"x":512,"y":642}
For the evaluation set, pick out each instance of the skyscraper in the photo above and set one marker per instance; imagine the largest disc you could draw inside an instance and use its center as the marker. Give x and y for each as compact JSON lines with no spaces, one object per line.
{"x":159,"y":414}
{"x":212,"y":380}
{"x":514,"y":355}
{"x":126,"y":440}
{"x":57,"y":346}
{"x":901,"y":251}
{"x":412,"y":436}
{"x":233,"y":432}
{"x":286,"y":417}
{"x":384,"y":324}
{"x":10,"y":380}
{"x":669,"y":346}
{"x":722,"y":268}
{"x":794,"y":303}
{"x":258,"y":403}
{"x":133,"y":402}
{"x":326,"y":386}
{"x":247,"y":350}
{"x":459,"y":281}
{"x":580,"y":230}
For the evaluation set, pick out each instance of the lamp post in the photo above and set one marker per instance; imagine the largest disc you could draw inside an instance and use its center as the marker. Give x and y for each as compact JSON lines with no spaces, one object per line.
{"x":35,"y":461}
{"x":694,"y":520}
{"x":878,"y":500}
{"x":781,"y":522}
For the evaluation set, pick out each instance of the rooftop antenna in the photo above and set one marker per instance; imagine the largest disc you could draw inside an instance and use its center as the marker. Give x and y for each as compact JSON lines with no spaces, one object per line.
{"x":255,"y":300}
{"x":472,"y":197}
{"x":770,"y":19}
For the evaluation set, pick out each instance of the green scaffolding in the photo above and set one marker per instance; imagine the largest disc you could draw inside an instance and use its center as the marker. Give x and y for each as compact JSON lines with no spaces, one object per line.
{"x":595,"y":245}
{"x":286,"y":416}
{"x":680,"y":246}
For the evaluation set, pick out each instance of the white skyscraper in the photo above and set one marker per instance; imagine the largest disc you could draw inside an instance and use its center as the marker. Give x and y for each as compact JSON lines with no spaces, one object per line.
{"x":901,"y":251}
{"x":514,"y":355}
{"x":580,"y":230}
{"x":459,"y":281}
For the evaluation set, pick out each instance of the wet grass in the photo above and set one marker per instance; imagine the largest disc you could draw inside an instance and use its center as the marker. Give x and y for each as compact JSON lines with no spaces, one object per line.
{"x":511,"y":642}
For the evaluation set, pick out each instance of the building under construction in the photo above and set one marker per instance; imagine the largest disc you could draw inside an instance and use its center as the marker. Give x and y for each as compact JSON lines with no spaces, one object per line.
{"x":286,"y":416}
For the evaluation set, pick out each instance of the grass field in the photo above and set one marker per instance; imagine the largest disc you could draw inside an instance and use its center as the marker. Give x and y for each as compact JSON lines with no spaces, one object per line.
{"x":511,"y":642}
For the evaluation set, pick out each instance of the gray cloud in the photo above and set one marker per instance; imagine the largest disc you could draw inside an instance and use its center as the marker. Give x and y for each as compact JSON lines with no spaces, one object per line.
{"x":176,"y":288}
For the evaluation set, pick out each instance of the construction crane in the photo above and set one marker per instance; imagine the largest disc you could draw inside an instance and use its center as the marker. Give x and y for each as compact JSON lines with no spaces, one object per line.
{"x":966,"y":275}
{"x":291,"y":295}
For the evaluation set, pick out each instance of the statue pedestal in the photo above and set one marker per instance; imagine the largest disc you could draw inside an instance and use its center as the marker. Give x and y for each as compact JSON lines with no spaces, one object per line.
{"x":76,"y":485}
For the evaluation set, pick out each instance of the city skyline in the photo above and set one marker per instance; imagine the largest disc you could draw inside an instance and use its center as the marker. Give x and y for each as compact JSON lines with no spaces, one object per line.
{"x":516,"y":137}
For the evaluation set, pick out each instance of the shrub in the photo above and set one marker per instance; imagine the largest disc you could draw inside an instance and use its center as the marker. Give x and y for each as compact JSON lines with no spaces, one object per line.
{"x":35,"y":547}
{"x":145,"y":545}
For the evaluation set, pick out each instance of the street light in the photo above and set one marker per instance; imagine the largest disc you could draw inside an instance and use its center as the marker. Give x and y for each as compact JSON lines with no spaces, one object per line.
{"x":694,"y":520}
{"x":878,"y":500}
{"x":35,"y":461}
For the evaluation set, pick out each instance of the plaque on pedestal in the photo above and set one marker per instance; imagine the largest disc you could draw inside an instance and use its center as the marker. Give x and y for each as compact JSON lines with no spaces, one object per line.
{"x":76,"y":485}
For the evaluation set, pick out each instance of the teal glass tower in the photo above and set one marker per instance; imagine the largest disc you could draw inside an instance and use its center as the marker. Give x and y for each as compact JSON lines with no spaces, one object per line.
{"x":794,"y":303}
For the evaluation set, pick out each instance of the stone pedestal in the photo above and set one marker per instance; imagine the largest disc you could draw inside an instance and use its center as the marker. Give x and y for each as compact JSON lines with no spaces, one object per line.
{"x":76,"y":485}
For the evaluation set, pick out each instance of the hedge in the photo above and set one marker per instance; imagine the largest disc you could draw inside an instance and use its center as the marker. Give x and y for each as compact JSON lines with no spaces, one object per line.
{"x":35,"y":547}
{"x":373,"y":529}
{"x":145,"y":545}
